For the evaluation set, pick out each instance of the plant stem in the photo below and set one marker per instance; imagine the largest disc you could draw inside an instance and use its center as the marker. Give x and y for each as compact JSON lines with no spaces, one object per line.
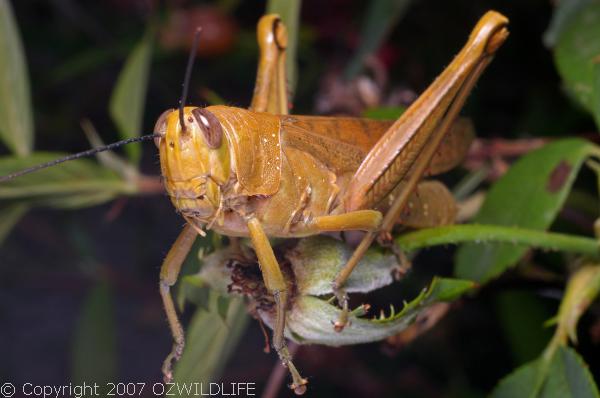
{"x":454,"y":234}
{"x":150,"y":185}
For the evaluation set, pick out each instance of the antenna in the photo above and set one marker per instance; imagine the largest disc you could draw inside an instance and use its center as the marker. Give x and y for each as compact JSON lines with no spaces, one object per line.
{"x":188,"y":73}
{"x":74,"y":156}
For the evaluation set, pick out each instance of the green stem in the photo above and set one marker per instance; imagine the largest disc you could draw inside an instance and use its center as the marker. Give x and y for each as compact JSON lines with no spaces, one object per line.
{"x":454,"y":234}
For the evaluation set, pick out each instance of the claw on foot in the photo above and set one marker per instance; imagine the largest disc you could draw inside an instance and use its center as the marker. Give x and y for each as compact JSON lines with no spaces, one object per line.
{"x":404,"y":263}
{"x":299,"y":389}
{"x":338,"y":326}
{"x":298,"y":382}
{"x":342,"y":321}
{"x":342,"y":299}
{"x":167,"y":368}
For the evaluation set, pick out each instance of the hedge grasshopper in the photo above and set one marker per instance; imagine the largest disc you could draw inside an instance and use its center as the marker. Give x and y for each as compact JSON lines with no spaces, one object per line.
{"x":262,"y":173}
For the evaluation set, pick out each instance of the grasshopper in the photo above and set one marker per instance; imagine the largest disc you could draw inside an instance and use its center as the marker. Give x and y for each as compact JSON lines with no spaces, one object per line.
{"x":262,"y":173}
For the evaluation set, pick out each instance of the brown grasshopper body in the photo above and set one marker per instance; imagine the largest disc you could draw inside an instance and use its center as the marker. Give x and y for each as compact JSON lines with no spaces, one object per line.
{"x":262,"y":173}
{"x":289,"y":171}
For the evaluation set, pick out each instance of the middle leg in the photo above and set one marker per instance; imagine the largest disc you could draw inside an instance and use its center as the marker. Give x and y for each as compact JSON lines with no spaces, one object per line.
{"x":276,"y":285}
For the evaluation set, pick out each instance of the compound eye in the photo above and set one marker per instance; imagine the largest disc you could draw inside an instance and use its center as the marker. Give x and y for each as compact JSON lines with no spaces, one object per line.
{"x":210,"y":127}
{"x":161,"y":126}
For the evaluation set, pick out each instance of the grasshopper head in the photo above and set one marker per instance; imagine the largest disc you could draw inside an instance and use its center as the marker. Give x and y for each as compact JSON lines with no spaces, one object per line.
{"x":194,"y":161}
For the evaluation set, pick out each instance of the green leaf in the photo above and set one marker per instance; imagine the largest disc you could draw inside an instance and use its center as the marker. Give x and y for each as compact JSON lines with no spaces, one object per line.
{"x":86,"y":61}
{"x":194,"y":290}
{"x":223,"y":306}
{"x":577,"y":51}
{"x":315,"y":262}
{"x":596,"y":95}
{"x":94,"y":356}
{"x":309,"y":321}
{"x":129,"y":95}
{"x":16,"y":115}
{"x":559,"y":371}
{"x":521,"y":316}
{"x":530,"y":196}
{"x":195,"y":287}
{"x":191,"y":286}
{"x":382,"y":16}
{"x":447,"y":289}
{"x":9,"y":217}
{"x":562,"y":15}
{"x":211,"y":341}
{"x":519,"y":383}
{"x":569,"y":376}
{"x":565,"y":375}
{"x":582,"y":289}
{"x":289,"y":11}
{"x":384,"y":113}
{"x":72,"y":184}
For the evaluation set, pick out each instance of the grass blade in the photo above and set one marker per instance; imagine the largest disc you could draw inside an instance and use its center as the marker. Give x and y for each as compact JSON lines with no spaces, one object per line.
{"x":129,"y":95}
{"x":381,"y":18}
{"x":78,"y":183}
{"x":210,"y":341}
{"x":9,"y":217}
{"x":94,"y":346}
{"x":16,"y":115}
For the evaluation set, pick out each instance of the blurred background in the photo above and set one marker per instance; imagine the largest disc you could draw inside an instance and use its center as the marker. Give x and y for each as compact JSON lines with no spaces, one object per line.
{"x":79,"y":289}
